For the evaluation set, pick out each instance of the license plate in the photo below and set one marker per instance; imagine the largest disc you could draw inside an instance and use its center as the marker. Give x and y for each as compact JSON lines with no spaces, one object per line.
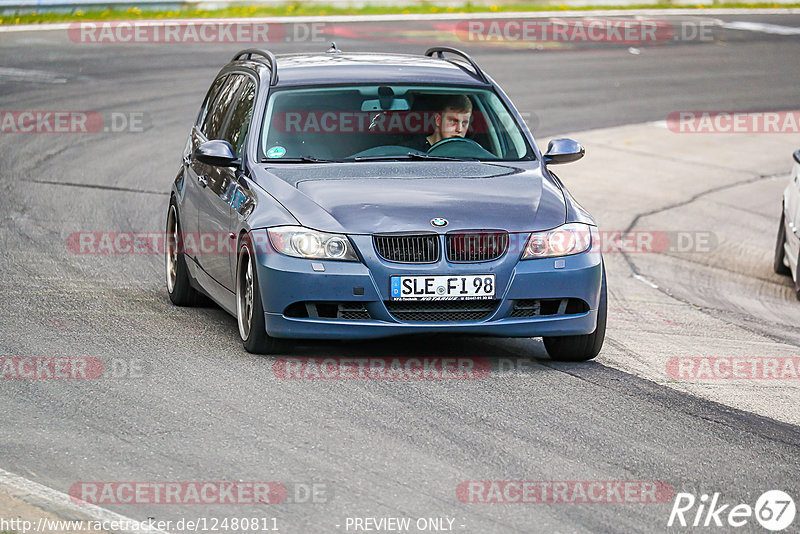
{"x":468,"y":287}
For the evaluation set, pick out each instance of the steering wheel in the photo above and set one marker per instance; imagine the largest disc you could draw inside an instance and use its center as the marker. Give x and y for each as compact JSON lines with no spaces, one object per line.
{"x":460,"y":147}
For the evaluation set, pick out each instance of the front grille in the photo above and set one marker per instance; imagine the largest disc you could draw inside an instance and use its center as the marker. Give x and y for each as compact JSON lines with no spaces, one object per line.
{"x":408,"y":248}
{"x":476,"y":247}
{"x":538,"y":307}
{"x":441,"y":310}
{"x":353,"y":312}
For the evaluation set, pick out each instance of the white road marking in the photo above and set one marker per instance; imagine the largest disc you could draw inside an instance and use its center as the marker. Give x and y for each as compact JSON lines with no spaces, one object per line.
{"x":421,"y":17}
{"x":22,"y":487}
{"x":774,"y":29}
{"x":31,"y":75}
{"x":645,"y":280}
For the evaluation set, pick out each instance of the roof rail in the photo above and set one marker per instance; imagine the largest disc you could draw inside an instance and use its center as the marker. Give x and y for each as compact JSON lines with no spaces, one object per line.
{"x":268,"y":60}
{"x":440,"y":50}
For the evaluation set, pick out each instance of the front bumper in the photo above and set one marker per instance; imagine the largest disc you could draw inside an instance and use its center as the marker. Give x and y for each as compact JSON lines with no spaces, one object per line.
{"x":285,"y":281}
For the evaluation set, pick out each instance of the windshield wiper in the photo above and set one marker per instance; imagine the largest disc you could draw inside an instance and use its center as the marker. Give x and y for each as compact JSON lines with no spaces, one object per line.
{"x":414,"y":155}
{"x":301,"y":159}
{"x":410,"y":155}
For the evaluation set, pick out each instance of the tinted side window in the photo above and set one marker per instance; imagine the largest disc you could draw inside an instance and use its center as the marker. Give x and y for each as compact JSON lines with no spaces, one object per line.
{"x":210,"y":96}
{"x":212,"y":125}
{"x":239,"y":122}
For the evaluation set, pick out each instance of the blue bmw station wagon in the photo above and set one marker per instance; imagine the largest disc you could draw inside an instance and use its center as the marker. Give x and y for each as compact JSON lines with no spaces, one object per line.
{"x":355,"y":195}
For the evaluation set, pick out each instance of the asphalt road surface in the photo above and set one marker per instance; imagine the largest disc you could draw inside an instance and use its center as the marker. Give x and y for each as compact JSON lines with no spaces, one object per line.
{"x":188,"y":404}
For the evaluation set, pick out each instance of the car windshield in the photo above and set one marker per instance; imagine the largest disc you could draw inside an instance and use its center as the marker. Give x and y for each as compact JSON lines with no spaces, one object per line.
{"x":382,"y":122}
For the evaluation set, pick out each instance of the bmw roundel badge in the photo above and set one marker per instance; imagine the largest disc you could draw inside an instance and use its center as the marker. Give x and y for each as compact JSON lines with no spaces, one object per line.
{"x":439,"y":222}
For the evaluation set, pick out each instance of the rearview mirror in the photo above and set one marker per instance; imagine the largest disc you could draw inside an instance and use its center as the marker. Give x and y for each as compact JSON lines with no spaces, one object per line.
{"x":395,"y":104}
{"x":563,"y":151}
{"x":218,"y":153}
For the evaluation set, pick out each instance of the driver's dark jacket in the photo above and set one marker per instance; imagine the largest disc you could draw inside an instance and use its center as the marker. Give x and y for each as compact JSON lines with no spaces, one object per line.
{"x":419,"y":142}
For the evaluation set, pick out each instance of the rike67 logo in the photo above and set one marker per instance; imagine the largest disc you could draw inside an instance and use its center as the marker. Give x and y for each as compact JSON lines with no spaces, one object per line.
{"x":774,"y":510}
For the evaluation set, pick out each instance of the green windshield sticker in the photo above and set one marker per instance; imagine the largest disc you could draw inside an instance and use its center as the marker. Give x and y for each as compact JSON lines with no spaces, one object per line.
{"x":276,"y":152}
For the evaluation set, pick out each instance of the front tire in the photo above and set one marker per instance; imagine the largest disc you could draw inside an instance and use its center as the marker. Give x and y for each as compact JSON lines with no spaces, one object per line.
{"x":249,"y":309}
{"x":180,"y":290}
{"x":585,"y":347}
{"x":780,"y":253}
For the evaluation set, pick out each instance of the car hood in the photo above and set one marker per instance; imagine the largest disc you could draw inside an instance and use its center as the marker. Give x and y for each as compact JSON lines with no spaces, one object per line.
{"x":384,"y":197}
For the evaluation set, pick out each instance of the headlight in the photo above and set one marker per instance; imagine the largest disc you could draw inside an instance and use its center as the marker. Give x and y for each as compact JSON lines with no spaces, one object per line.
{"x":306,"y":243}
{"x":572,"y":238}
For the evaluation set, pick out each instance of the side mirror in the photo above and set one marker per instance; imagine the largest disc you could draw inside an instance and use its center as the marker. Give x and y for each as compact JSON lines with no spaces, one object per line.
{"x":563,"y":151}
{"x":218,"y":153}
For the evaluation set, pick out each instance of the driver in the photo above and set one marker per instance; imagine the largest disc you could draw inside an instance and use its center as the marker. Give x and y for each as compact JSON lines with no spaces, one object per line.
{"x":452,"y":120}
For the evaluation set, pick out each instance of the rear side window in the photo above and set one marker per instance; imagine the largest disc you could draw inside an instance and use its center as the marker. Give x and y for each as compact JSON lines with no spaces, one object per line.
{"x":210,"y":97}
{"x":214,"y":120}
{"x":239,"y":122}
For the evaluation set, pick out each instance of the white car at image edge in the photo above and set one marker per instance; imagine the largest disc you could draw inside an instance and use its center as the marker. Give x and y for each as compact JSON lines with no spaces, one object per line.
{"x":787,"y":246}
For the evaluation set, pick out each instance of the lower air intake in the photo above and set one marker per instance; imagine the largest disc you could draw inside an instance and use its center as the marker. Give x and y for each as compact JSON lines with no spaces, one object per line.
{"x":538,"y":307}
{"x":441,"y":311}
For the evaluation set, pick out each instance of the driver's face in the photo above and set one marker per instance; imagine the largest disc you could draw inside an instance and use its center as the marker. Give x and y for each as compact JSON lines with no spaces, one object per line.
{"x":454,"y":124}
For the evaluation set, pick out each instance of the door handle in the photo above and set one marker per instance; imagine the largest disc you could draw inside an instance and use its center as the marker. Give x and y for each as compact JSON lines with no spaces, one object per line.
{"x":203,"y":180}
